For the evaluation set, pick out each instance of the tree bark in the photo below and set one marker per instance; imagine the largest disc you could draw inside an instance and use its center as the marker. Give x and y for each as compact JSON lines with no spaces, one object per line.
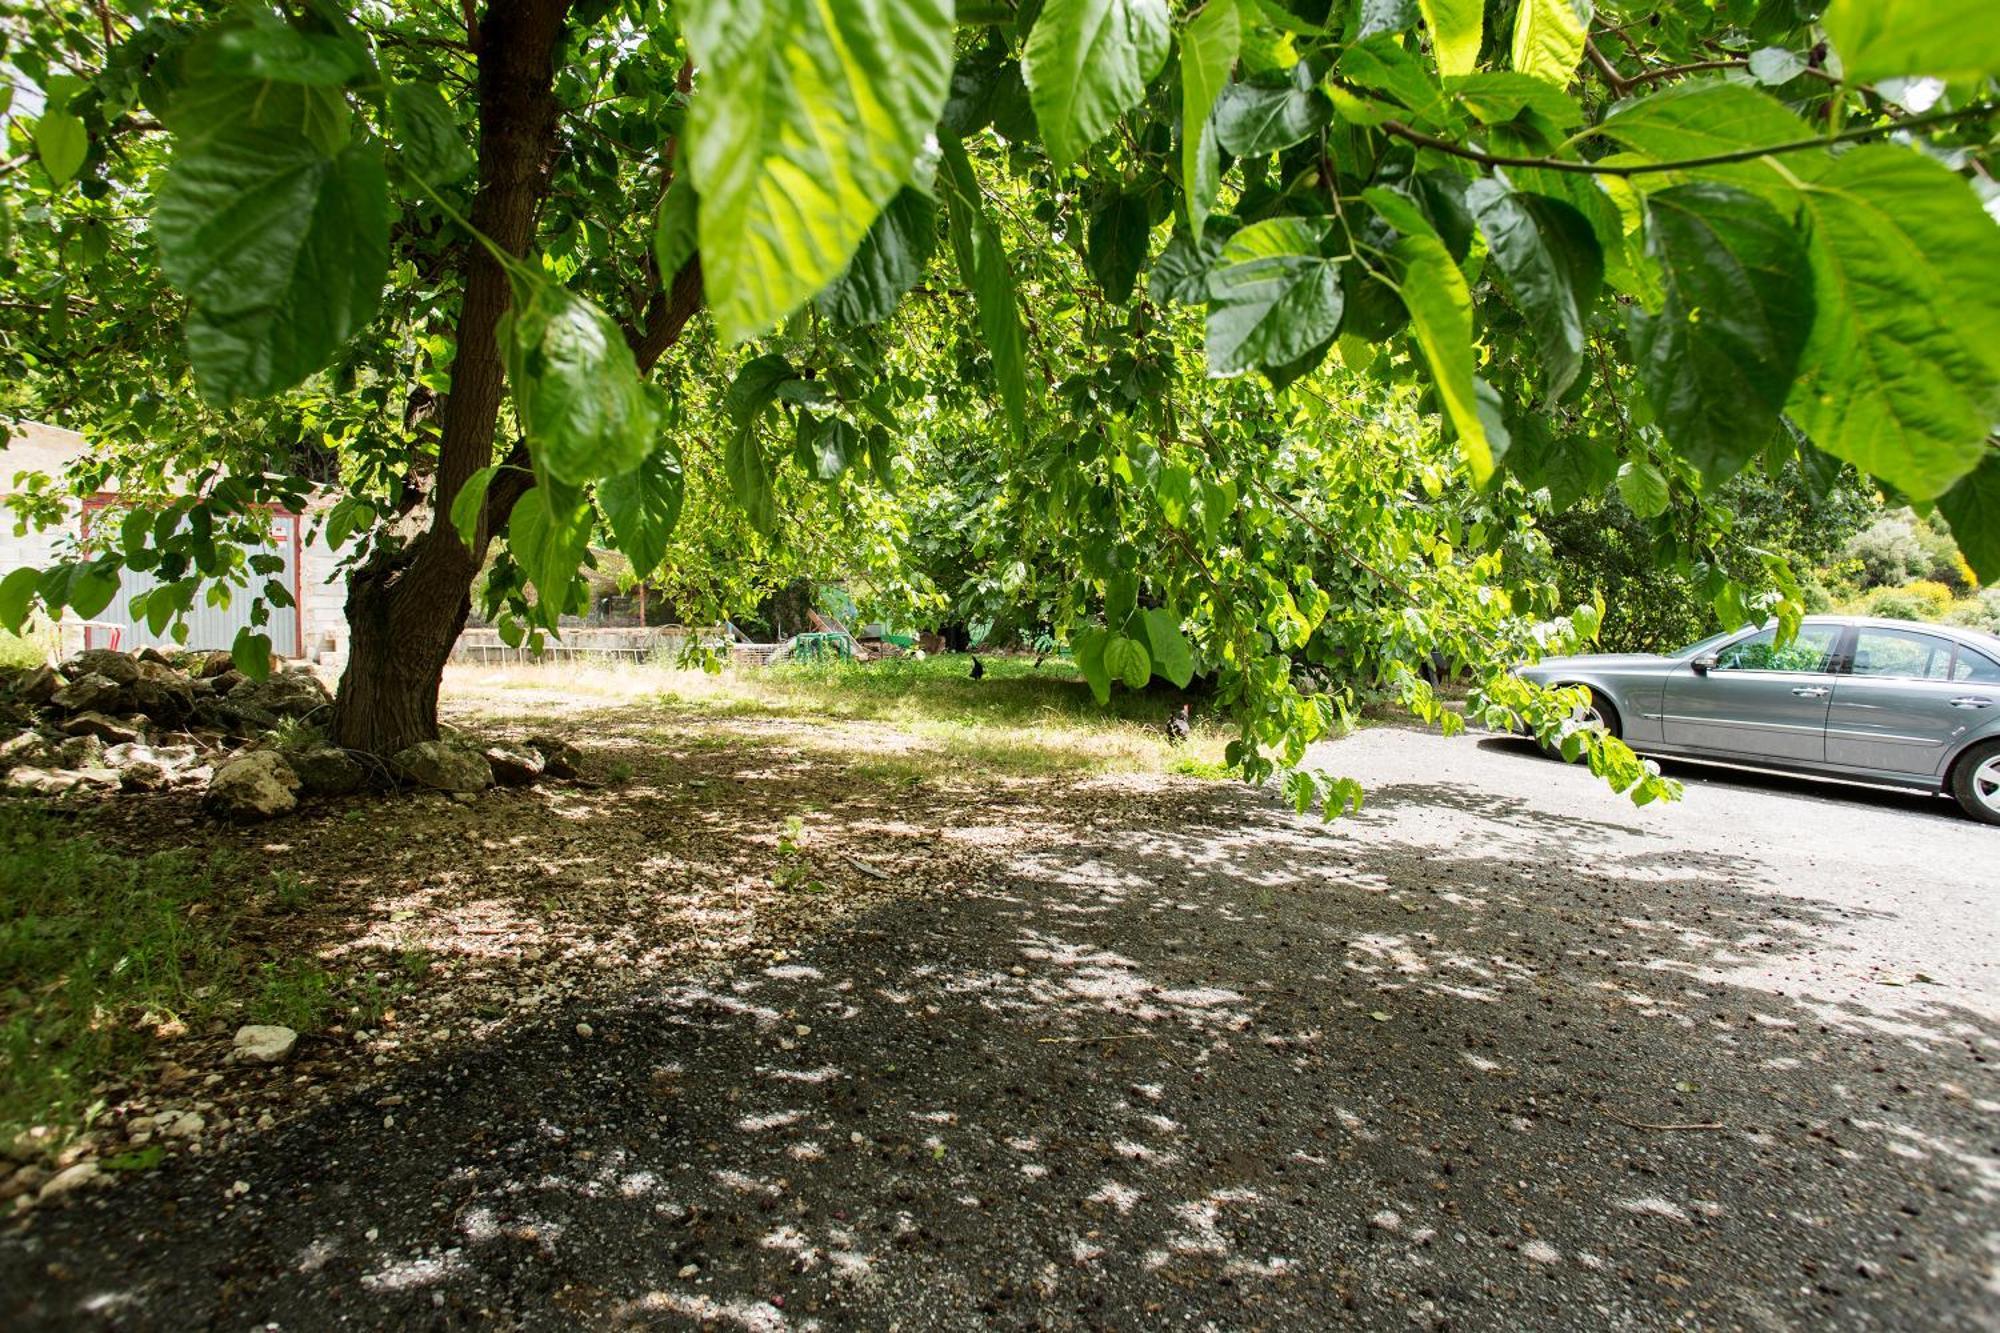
{"x":405,"y":608}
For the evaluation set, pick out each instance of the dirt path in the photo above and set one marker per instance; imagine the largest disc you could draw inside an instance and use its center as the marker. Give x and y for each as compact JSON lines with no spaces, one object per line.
{"x":1157,"y":1055}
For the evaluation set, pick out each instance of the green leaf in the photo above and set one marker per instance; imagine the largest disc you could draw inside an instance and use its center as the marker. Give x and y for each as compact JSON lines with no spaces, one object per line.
{"x":1947,"y":39}
{"x":1774,"y":65}
{"x":1087,"y":62}
{"x":888,"y":263}
{"x":17,"y":593}
{"x":469,"y":505}
{"x":1208,"y":52}
{"x":548,"y":533}
{"x":750,"y":478}
{"x":1269,"y":113}
{"x":91,"y":587}
{"x":810,"y":117}
{"x":1902,"y":373}
{"x":62,"y":143}
{"x":1272,"y":296}
{"x":675,"y":236}
{"x":251,"y":652}
{"x":1127,"y":660}
{"x":1378,"y":16}
{"x":825,"y":447}
{"x":1180,"y":275}
{"x":1121,"y":597}
{"x":1456,"y":27}
{"x":1718,"y":358}
{"x":1549,"y":37}
{"x":144,"y":1159}
{"x":576,"y":386}
{"x":1495,"y":97}
{"x":1643,"y":488}
{"x":882,"y":458}
{"x":982,"y":266}
{"x":1115,"y":248}
{"x":1173,"y":658}
{"x":642,"y":507}
{"x":266,"y":47}
{"x":1972,"y":507}
{"x":1440,"y":307}
{"x":1087,"y":647}
{"x":280,"y":249}
{"x":1571,"y":466}
{"x":756,"y":387}
{"x":1547,"y":259}
{"x":1706,"y":118}
{"x":432,"y":147}
{"x":1174,"y":488}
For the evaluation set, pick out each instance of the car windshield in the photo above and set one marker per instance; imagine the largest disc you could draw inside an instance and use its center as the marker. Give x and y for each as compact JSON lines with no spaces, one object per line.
{"x":1700,"y":644}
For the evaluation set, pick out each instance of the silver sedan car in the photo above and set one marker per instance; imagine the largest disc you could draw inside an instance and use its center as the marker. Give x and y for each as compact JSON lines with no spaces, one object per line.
{"x":1885,"y":701}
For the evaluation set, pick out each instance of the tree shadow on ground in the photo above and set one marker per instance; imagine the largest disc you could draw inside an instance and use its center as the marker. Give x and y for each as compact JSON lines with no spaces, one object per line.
{"x":1828,"y":792}
{"x":1160,"y":1054}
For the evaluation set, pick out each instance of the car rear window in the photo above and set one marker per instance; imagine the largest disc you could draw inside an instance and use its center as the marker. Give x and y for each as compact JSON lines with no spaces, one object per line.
{"x":1975,"y":666}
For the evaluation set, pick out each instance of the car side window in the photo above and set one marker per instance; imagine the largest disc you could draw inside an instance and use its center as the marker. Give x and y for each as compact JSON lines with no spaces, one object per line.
{"x":1760,"y":652}
{"x":1975,"y":666}
{"x":1901,"y":655}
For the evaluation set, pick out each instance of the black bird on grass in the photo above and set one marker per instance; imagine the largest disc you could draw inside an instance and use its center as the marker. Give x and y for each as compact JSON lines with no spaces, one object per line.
{"x":978,"y":669}
{"x":1179,"y":725}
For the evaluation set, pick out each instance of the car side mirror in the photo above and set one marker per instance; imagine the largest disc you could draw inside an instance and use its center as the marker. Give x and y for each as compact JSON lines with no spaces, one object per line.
{"x":1704,"y":664}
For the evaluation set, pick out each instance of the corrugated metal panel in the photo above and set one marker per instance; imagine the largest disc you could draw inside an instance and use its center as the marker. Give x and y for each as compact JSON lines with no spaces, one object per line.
{"x":209,"y":627}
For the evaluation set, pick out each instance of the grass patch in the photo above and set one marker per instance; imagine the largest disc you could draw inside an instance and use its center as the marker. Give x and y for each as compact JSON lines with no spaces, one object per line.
{"x":1019,"y":720}
{"x":31,"y":650}
{"x":99,"y":950}
{"x":93,"y":946}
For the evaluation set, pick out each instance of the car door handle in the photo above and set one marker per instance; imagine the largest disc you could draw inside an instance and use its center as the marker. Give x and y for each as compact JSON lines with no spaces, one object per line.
{"x":1812,"y":691}
{"x":1971,"y":701}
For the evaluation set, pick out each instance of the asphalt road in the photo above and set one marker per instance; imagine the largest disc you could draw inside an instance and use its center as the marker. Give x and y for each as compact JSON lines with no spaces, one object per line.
{"x":1500,"y":1052}
{"x":1904,"y":883}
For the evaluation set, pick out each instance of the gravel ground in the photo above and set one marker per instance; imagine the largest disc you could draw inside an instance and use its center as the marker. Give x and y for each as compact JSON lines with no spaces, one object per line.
{"x":1498,"y":1052}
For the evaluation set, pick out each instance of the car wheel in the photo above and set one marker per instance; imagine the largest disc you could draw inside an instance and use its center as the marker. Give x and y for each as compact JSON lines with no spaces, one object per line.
{"x":1975,"y":782}
{"x":1598,"y":713}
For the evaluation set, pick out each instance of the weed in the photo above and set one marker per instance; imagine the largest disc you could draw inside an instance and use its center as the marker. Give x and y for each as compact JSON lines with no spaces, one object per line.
{"x":297,"y":994}
{"x":289,"y":891}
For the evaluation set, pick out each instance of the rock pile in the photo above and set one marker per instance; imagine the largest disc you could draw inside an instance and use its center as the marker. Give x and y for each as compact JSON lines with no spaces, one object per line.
{"x":148,"y":721}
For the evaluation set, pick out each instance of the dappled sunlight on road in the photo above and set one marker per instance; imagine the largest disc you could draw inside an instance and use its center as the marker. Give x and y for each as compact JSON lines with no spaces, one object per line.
{"x":1457,"y":1060}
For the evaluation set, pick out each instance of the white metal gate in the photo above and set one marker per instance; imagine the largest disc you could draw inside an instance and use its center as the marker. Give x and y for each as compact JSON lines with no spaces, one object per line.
{"x":209,"y":627}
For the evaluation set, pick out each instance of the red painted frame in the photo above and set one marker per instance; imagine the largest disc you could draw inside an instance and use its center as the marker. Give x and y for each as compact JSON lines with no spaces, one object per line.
{"x":103,"y":500}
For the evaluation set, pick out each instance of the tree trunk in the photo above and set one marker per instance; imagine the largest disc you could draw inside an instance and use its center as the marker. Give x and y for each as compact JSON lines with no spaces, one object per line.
{"x":405,"y":611}
{"x":402,"y":618}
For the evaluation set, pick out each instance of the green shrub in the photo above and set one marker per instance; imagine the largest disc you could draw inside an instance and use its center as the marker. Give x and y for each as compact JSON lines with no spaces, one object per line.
{"x":1899,"y":547}
{"x":1887,"y":552}
{"x":1895,"y":604}
{"x":29,"y":650}
{"x":1980,"y":611}
{"x":1936,"y":596}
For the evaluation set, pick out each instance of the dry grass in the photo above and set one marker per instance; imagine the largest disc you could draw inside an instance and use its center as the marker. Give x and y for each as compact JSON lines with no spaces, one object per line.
{"x":889,"y":721}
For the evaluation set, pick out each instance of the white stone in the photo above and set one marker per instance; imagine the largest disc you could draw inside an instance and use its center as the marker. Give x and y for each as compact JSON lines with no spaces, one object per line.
{"x":184,"y":1126}
{"x":264,"y":1044}
{"x":75,"y":1177}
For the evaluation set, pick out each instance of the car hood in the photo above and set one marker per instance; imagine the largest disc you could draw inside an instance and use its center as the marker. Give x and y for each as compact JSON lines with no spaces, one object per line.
{"x":1593,"y":662}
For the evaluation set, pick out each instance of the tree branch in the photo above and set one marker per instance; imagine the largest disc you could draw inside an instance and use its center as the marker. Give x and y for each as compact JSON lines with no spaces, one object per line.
{"x":1401,"y":131}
